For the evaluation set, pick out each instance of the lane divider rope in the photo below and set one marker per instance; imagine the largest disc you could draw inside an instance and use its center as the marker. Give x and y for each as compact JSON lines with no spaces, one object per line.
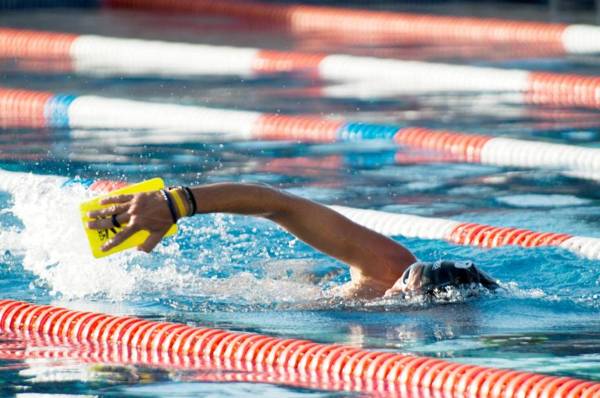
{"x":270,"y":354}
{"x":31,"y":347}
{"x":38,"y":109}
{"x":394,"y":27}
{"x":470,"y":234}
{"x":114,"y":56}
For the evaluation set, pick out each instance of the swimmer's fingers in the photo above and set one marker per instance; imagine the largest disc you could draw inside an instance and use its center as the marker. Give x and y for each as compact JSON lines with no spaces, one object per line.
{"x":108,"y":223}
{"x":120,"y":237}
{"x":109,"y":211}
{"x":151,"y":242}
{"x":116,"y":199}
{"x":416,"y":278}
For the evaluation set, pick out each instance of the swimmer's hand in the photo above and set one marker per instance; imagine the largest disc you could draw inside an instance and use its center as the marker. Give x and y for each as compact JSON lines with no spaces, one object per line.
{"x":144,"y":211}
{"x":406,"y":285}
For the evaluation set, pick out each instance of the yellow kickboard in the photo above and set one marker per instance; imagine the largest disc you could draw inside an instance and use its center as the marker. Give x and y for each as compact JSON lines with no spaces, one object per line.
{"x":99,"y":237}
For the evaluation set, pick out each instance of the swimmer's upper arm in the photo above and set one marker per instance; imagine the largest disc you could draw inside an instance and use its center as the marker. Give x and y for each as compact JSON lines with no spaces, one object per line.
{"x":369,"y":253}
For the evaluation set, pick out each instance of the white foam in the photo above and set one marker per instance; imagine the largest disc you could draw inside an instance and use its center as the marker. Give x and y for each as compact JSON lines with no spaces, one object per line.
{"x":12,"y":240}
{"x":53,"y":243}
{"x":512,"y":289}
{"x":243,"y":286}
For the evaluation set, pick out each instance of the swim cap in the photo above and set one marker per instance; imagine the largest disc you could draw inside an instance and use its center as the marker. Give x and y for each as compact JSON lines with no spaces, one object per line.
{"x":441,"y":274}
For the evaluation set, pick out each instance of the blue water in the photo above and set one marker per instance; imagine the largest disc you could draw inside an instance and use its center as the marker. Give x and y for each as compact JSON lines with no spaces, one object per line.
{"x":246,"y":274}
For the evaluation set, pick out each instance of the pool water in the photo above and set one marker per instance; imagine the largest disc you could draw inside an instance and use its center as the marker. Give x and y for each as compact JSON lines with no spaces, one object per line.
{"x":246,"y":274}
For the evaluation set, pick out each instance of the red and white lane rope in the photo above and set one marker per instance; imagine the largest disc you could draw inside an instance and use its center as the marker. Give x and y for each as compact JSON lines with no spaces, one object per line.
{"x":40,"y":109}
{"x":389,"y":26}
{"x":293,"y":356}
{"x":105,"y":55}
{"x":181,"y":368}
{"x":33,"y":348}
{"x":471,"y":234}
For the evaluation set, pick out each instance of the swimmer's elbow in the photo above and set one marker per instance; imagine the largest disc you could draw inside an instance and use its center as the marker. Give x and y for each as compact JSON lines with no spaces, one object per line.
{"x":291,"y":211}
{"x":278,"y":205}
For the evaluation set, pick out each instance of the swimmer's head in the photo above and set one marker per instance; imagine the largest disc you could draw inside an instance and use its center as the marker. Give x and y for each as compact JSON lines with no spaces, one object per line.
{"x":430,"y":278}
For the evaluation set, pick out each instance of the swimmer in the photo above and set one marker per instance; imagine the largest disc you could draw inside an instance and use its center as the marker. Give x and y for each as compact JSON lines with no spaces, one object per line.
{"x":379,"y":266}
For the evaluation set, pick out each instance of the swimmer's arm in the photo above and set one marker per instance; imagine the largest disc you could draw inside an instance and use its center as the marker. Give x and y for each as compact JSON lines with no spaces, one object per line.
{"x":369,"y":253}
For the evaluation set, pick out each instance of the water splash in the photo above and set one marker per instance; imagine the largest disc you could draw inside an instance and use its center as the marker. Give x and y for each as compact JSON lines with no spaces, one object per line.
{"x":54,"y":249}
{"x":52,"y":241}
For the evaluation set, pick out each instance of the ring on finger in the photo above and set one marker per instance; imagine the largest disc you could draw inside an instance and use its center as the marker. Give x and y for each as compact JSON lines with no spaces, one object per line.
{"x":115,"y":222}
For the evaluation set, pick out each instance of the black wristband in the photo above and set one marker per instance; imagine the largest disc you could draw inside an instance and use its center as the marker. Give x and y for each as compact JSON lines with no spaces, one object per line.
{"x":169,"y":201}
{"x":191,"y":199}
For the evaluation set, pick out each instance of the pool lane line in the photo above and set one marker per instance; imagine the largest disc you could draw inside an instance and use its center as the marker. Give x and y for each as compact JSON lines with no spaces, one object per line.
{"x":389,"y":26}
{"x":197,"y":369}
{"x":272,"y":355}
{"x":40,"y":109}
{"x":468,"y":234}
{"x":361,"y":25}
{"x":115,"y":56}
{"x":38,"y":346}
{"x":386,"y":223}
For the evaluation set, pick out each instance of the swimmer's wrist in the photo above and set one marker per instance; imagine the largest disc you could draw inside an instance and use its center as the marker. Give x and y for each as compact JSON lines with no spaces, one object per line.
{"x":169,"y":198}
{"x":184,"y":201}
{"x":191,"y":199}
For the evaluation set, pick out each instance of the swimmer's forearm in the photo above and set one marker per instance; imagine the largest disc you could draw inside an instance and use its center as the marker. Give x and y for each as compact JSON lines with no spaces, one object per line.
{"x":250,"y":199}
{"x":313,"y":223}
